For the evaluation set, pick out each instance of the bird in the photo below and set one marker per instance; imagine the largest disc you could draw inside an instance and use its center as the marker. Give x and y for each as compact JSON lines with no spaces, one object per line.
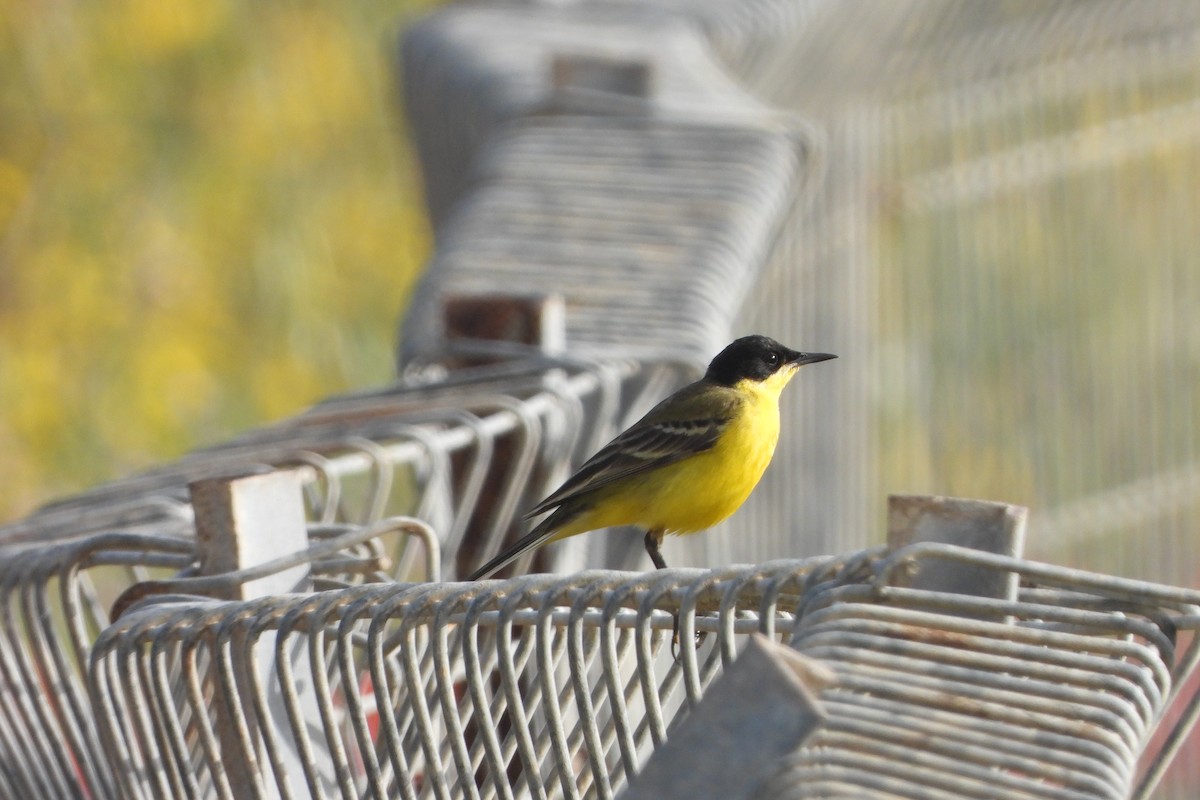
{"x":689,"y":463}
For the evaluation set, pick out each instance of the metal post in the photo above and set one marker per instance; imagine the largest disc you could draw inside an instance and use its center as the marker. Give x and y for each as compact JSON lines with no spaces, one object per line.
{"x":760,"y":710}
{"x":243,"y":521}
{"x":246,"y":520}
{"x":531,"y":319}
{"x":535,"y":320}
{"x":992,"y":527}
{"x":595,"y":83}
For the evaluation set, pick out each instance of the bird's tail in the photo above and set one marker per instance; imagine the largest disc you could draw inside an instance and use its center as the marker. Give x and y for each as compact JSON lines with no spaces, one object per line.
{"x":537,"y":537}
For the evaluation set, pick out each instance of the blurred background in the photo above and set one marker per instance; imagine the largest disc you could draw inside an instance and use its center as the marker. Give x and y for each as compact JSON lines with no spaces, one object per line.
{"x":1019,"y":214}
{"x":209,"y":218}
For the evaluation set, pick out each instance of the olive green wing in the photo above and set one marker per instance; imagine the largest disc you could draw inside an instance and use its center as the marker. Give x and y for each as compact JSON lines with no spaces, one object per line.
{"x":685,"y":424}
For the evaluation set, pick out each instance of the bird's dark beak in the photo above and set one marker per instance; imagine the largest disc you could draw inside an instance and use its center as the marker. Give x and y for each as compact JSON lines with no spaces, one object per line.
{"x":801,"y":359}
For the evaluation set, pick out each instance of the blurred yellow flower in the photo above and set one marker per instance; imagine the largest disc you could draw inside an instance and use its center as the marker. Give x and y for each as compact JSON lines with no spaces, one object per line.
{"x":14,"y":183}
{"x":152,"y":28}
{"x":177,"y":264}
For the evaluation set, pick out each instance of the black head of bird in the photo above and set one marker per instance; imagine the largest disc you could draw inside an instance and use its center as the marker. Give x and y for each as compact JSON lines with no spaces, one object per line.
{"x":756,"y":358}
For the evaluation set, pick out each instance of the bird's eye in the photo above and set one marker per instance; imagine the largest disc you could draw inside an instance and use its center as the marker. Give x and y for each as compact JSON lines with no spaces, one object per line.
{"x":772,"y":359}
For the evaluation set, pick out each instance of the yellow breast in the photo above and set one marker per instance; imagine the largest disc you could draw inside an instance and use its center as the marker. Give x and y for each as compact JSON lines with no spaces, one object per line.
{"x":703,"y":490}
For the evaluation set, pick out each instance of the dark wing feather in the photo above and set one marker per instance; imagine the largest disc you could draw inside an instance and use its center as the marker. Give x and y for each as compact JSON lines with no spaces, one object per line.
{"x":684,"y":425}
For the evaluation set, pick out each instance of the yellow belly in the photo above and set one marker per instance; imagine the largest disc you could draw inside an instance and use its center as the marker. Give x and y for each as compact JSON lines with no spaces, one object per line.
{"x":707,"y":488}
{"x":700,"y":491}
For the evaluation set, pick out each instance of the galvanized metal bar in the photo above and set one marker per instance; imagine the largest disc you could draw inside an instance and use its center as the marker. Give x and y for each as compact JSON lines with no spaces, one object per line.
{"x":757,"y":712}
{"x":991,"y":527}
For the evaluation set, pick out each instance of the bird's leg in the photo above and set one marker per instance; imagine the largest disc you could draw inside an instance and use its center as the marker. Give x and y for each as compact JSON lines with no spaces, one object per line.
{"x":654,"y":538}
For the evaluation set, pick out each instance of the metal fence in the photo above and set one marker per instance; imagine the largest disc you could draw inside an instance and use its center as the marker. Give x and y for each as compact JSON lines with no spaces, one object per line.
{"x":1001,"y":241}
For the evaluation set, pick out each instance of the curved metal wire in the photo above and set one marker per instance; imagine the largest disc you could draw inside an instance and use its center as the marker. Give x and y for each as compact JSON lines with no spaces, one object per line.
{"x":561,"y":686}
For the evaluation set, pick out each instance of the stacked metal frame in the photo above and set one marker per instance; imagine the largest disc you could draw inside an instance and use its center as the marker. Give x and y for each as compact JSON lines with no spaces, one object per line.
{"x":554,"y":686}
{"x":1056,"y":694}
{"x":608,"y":159}
{"x":50,"y":745}
{"x":543,"y":686}
{"x":466,"y":455}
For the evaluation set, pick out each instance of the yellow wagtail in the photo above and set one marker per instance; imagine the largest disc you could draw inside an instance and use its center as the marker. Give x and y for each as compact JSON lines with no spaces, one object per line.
{"x":685,"y":466}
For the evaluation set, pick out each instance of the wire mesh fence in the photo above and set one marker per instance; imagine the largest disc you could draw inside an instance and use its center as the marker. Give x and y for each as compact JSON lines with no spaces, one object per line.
{"x":1001,"y":238}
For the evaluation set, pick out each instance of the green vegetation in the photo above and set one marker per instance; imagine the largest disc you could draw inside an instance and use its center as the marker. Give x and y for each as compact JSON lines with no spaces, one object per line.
{"x":209,"y":219}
